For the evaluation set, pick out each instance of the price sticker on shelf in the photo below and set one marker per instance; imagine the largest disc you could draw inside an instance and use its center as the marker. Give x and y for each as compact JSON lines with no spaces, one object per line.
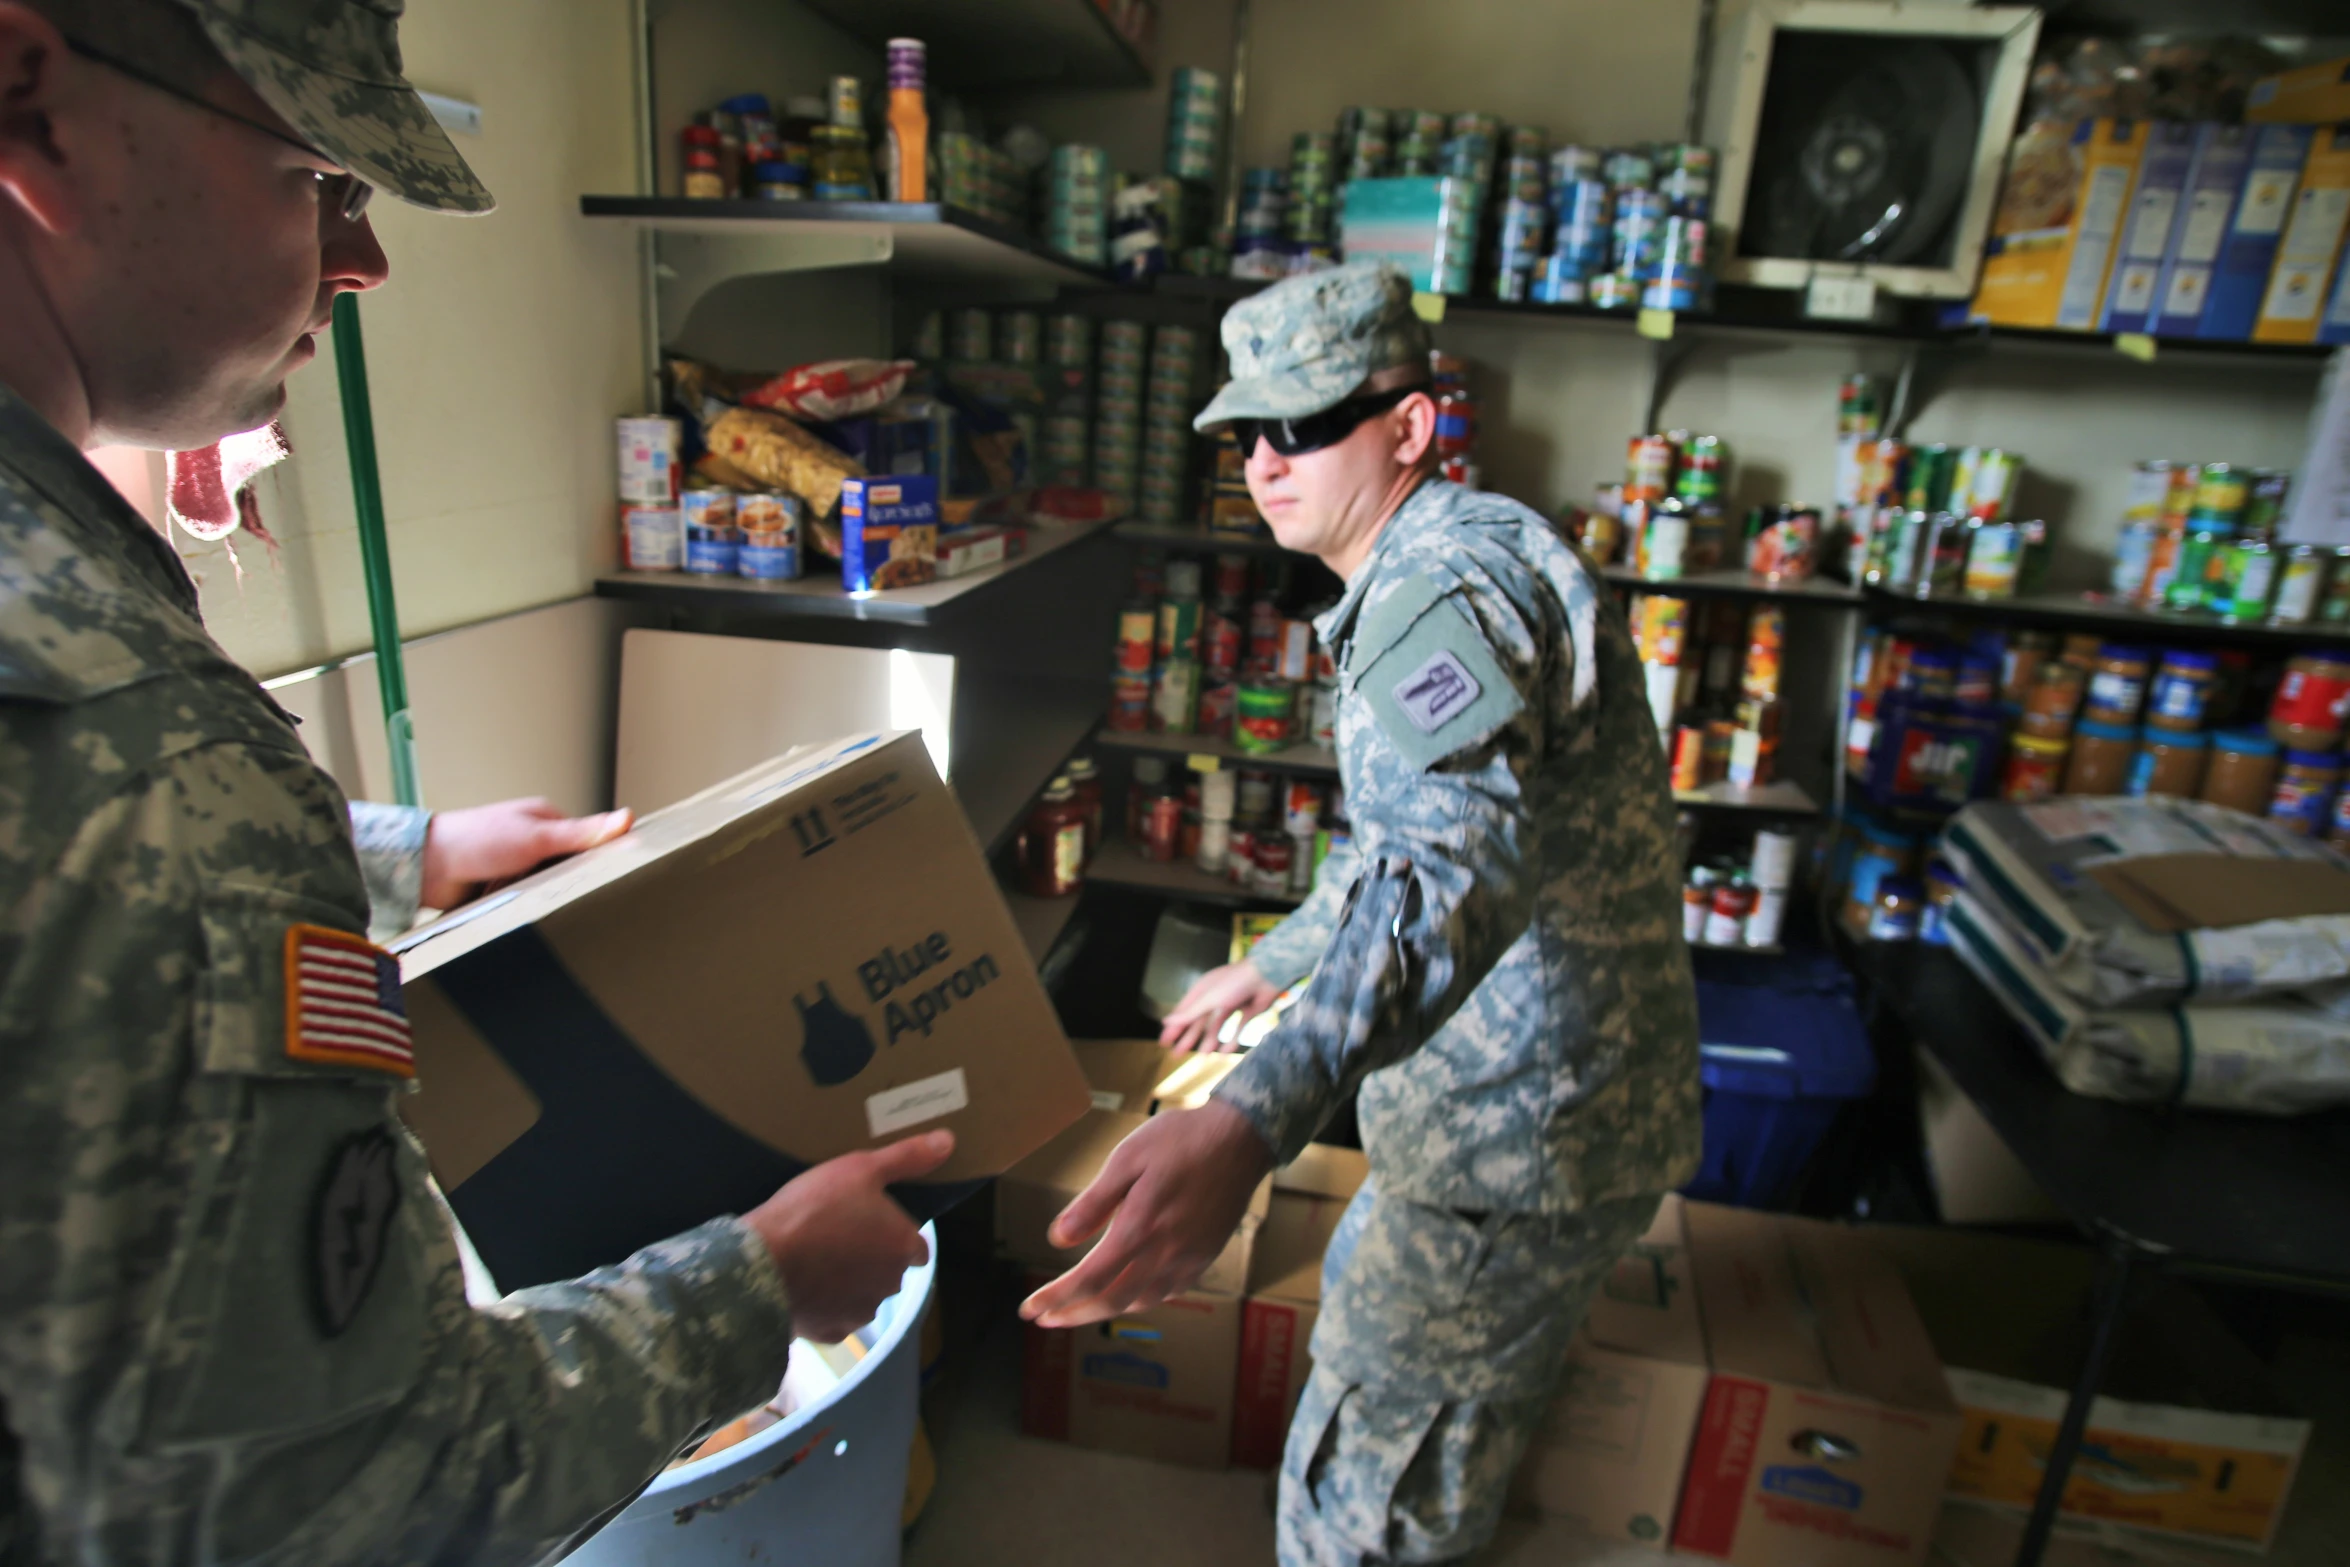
{"x":1428,"y":307}
{"x":1657,"y":324}
{"x":1201,"y":762}
{"x":1840,"y":299}
{"x":2134,"y":345}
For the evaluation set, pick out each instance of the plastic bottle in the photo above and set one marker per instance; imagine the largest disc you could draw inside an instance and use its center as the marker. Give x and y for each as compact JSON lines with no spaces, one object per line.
{"x":909,"y":123}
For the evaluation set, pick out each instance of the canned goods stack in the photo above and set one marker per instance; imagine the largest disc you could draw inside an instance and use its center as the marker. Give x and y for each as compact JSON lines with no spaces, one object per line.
{"x":1077,"y":213}
{"x":1117,"y":417}
{"x":981,"y":179}
{"x":1456,"y":419}
{"x":1312,"y":189}
{"x":1859,"y":422}
{"x":1067,"y":382}
{"x":1630,"y":228}
{"x":1739,"y":900}
{"x":651,"y":533}
{"x":1195,"y":111}
{"x":1713,"y":687}
{"x":1267,"y":833}
{"x":1937,"y":521}
{"x":1230,"y":507}
{"x":1668,"y":517}
{"x":1171,"y":398}
{"x":1259,"y":249}
{"x":1364,"y":148}
{"x":1426,"y":227}
{"x":1211,"y":651}
{"x":1138,"y":232}
{"x":2200,"y":538}
{"x":1419,"y":136}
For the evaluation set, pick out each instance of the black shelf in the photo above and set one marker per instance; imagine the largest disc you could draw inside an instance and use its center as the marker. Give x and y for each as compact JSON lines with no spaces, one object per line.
{"x":1118,"y":864}
{"x":1751,"y":312}
{"x":1011,"y":732}
{"x":2077,"y":612}
{"x":1780,"y":798}
{"x":1002,"y":44}
{"x":1040,"y":921}
{"x":918,"y":239}
{"x":1196,"y":541}
{"x":1289,"y":759}
{"x":1738,"y":584}
{"x":821,"y":597}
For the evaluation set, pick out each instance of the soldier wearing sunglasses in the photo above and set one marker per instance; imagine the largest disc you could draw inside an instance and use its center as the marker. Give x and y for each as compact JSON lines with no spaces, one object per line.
{"x":233,"y":1326}
{"x":1497,"y":965}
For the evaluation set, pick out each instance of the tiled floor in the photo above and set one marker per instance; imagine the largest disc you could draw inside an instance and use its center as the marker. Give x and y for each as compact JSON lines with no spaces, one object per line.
{"x":1004,"y":1500}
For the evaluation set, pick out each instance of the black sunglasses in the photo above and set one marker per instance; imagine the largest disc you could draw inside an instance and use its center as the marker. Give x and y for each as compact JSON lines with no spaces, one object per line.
{"x":345,"y":193}
{"x":1296,"y":437}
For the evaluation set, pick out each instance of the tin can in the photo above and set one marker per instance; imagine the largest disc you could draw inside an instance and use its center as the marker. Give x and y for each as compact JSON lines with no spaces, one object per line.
{"x":1664,"y":543}
{"x":711,"y":550}
{"x":1322,"y":715}
{"x":1130,"y":704}
{"x":1857,"y":410}
{"x":1162,"y":827}
{"x":2133,"y":559}
{"x":1766,"y":645}
{"x":2333,"y":607}
{"x":1262,"y":719}
{"x":1240,"y":855}
{"x":1221,"y":642}
{"x":1219,"y":701}
{"x":1275,"y":860}
{"x":972,"y":335}
{"x":1930,"y":471}
{"x":1992,"y":495}
{"x":654,"y":537}
{"x":707,"y":508}
{"x":1700,"y":472}
{"x":1994,"y":558}
{"x":1905,"y":556}
{"x":1725,"y":925}
{"x":2190,"y":583}
{"x":2246,"y":580}
{"x":1138,"y":630}
{"x":2299,"y":586}
{"x":1664,"y":628}
{"x":844,"y":104}
{"x":1942,"y":564}
{"x":2220,"y":494}
{"x":2264,"y":505}
{"x":770,"y":527}
{"x":2178,"y":501}
{"x":1178,"y":629}
{"x":1786,"y":547}
{"x":647,"y":465}
{"x":2162,"y":565}
{"x":1612,"y":291}
{"x":2149,"y":488}
{"x":1688,"y":757}
{"x":1294,"y":655}
{"x":1175,"y":697}
{"x":1020,"y":337}
{"x":1648,"y":468}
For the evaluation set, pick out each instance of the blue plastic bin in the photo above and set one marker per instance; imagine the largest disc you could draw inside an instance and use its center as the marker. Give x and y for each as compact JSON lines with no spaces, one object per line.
{"x":1782,"y":1050}
{"x":825,"y":1488}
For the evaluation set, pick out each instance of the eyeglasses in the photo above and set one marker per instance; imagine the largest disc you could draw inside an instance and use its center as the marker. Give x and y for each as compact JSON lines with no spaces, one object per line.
{"x":1296,"y":437}
{"x":345,"y":193}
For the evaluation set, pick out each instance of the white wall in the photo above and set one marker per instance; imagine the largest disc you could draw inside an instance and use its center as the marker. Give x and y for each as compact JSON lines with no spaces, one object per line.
{"x":1560,"y":399}
{"x":497,"y":355}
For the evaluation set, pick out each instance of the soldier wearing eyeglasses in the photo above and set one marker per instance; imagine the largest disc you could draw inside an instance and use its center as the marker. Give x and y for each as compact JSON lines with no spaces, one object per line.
{"x":232,"y":1321}
{"x":1497,"y":965}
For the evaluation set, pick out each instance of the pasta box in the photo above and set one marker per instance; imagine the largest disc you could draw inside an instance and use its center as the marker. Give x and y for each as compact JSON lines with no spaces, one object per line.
{"x":888,"y":532}
{"x":807,"y":959}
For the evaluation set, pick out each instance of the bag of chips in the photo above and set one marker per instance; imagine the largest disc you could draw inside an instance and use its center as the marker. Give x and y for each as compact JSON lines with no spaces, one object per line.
{"x":834,"y":389}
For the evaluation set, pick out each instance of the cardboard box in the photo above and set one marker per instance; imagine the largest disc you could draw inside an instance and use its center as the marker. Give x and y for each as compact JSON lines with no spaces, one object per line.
{"x":2214,"y":183}
{"x":2240,"y":277}
{"x":1310,"y":1196}
{"x":2190,"y":1438}
{"x":2335,"y":328}
{"x":807,"y":959}
{"x":1157,"y":1384}
{"x":2157,"y":209}
{"x":2312,"y":95}
{"x":888,"y":532}
{"x":1129,"y":1080}
{"x":1615,"y":1446}
{"x":1828,"y":1427}
{"x":2062,"y":209}
{"x":2296,"y":294}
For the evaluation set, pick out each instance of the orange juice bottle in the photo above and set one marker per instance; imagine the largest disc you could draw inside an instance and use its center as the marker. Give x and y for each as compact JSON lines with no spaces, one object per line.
{"x":909,"y":122}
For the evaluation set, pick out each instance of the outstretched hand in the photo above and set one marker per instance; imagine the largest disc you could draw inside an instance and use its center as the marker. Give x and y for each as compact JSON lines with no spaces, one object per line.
{"x":466,"y":851}
{"x":840,"y":1242}
{"x":1197,"y":1023}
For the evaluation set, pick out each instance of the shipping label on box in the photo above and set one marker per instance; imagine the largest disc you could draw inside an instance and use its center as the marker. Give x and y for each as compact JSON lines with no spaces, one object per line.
{"x":1157,"y":1384}
{"x":1828,"y":1426}
{"x":805,"y":960}
{"x":1615,"y":1445}
{"x":1310,"y":1196}
{"x":2067,"y":193}
{"x":888,"y":532}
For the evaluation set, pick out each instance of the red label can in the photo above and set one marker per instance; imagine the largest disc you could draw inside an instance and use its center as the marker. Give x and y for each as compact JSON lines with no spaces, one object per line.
{"x":1130,"y":703}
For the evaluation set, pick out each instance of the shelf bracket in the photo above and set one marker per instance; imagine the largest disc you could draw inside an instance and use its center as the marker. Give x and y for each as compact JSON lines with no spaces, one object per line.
{"x":1667,"y":359}
{"x":1925,"y":369}
{"x":686,"y":266}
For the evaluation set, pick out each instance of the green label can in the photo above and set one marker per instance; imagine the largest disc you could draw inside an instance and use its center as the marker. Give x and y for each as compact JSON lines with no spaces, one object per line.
{"x":2247,"y":577}
{"x":1931,"y":469}
{"x":2190,"y":582}
{"x":1994,"y":559}
{"x":1992,"y":495}
{"x":1261,"y":717}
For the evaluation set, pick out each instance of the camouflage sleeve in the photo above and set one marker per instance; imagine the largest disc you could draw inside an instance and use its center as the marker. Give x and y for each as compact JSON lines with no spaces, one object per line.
{"x":232,"y":1319}
{"x":1448,"y":844}
{"x":390,"y":840}
{"x":1290,"y":949}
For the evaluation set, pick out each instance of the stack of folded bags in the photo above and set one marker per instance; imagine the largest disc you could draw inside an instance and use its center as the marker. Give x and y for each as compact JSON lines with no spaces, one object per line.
{"x":2162,"y":951}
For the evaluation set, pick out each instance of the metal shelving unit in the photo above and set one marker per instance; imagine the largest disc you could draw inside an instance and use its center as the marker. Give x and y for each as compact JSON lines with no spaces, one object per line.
{"x":1119,"y":864}
{"x":1772,"y":799}
{"x":1738,"y":584}
{"x":1289,"y":759}
{"x":2079,"y":612}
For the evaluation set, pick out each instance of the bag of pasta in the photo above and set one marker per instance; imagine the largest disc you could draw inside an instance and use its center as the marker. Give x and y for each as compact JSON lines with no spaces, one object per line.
{"x":778,"y":454}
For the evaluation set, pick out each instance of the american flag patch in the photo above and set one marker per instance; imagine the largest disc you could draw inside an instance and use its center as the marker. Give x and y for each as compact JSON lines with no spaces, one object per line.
{"x":343,"y":1005}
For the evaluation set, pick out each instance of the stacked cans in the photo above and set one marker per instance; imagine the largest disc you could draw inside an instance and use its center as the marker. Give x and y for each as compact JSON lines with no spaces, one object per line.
{"x":1068,"y":400}
{"x":979,"y":178}
{"x":1117,"y":409}
{"x":1170,"y":400}
{"x":1312,"y":189}
{"x":1364,"y":148}
{"x":1195,"y":106}
{"x":1077,"y":212}
{"x":971,"y":336}
{"x":1259,"y":248}
{"x":1230,"y":507}
{"x":1419,"y":136}
{"x":1138,"y":233}
{"x":1631,"y":228}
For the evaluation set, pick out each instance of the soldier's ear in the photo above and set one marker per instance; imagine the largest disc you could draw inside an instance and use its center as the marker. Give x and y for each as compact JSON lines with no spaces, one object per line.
{"x":1415,"y":428}
{"x":41,"y":85}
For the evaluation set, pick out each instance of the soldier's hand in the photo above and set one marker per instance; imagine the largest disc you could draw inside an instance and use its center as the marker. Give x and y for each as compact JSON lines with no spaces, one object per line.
{"x":1197,"y":1023}
{"x":1171,"y":1195}
{"x":464,"y":851}
{"x":841,"y":1241}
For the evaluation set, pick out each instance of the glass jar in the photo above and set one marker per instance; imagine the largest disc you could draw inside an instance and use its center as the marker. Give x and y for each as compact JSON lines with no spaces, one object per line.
{"x":2035,"y":767}
{"x":2304,"y":796}
{"x":1052,"y":843}
{"x":2243,"y":771}
{"x":1880,"y":854}
{"x":2181,"y":695}
{"x":1895,"y":917}
{"x":2054,"y":700}
{"x":2117,"y":686}
{"x":2101,"y":758}
{"x":2169,"y":764}
{"x":2311,"y":702}
{"x":1086,"y":780}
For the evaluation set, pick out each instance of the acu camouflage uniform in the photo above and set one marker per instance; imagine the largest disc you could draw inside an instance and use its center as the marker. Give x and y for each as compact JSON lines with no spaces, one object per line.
{"x":1498,"y":969}
{"x":200,"y":1358}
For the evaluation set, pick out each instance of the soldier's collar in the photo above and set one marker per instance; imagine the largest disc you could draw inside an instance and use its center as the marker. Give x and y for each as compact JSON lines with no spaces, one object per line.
{"x":1418,"y":510}
{"x":32,"y":452}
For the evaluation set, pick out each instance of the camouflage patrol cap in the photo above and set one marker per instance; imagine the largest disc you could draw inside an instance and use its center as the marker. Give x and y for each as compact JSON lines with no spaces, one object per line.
{"x":1310,"y":342}
{"x":331,"y":69}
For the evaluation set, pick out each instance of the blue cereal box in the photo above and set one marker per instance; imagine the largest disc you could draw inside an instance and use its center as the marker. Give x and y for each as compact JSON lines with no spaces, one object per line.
{"x":888,"y":532}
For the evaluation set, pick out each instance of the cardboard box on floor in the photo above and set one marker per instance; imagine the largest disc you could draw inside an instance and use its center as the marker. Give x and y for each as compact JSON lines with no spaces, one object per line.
{"x":1614,"y":1448}
{"x":1828,"y":1427}
{"x":807,"y":959}
{"x":1310,"y":1196}
{"x":2191,"y":1439}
